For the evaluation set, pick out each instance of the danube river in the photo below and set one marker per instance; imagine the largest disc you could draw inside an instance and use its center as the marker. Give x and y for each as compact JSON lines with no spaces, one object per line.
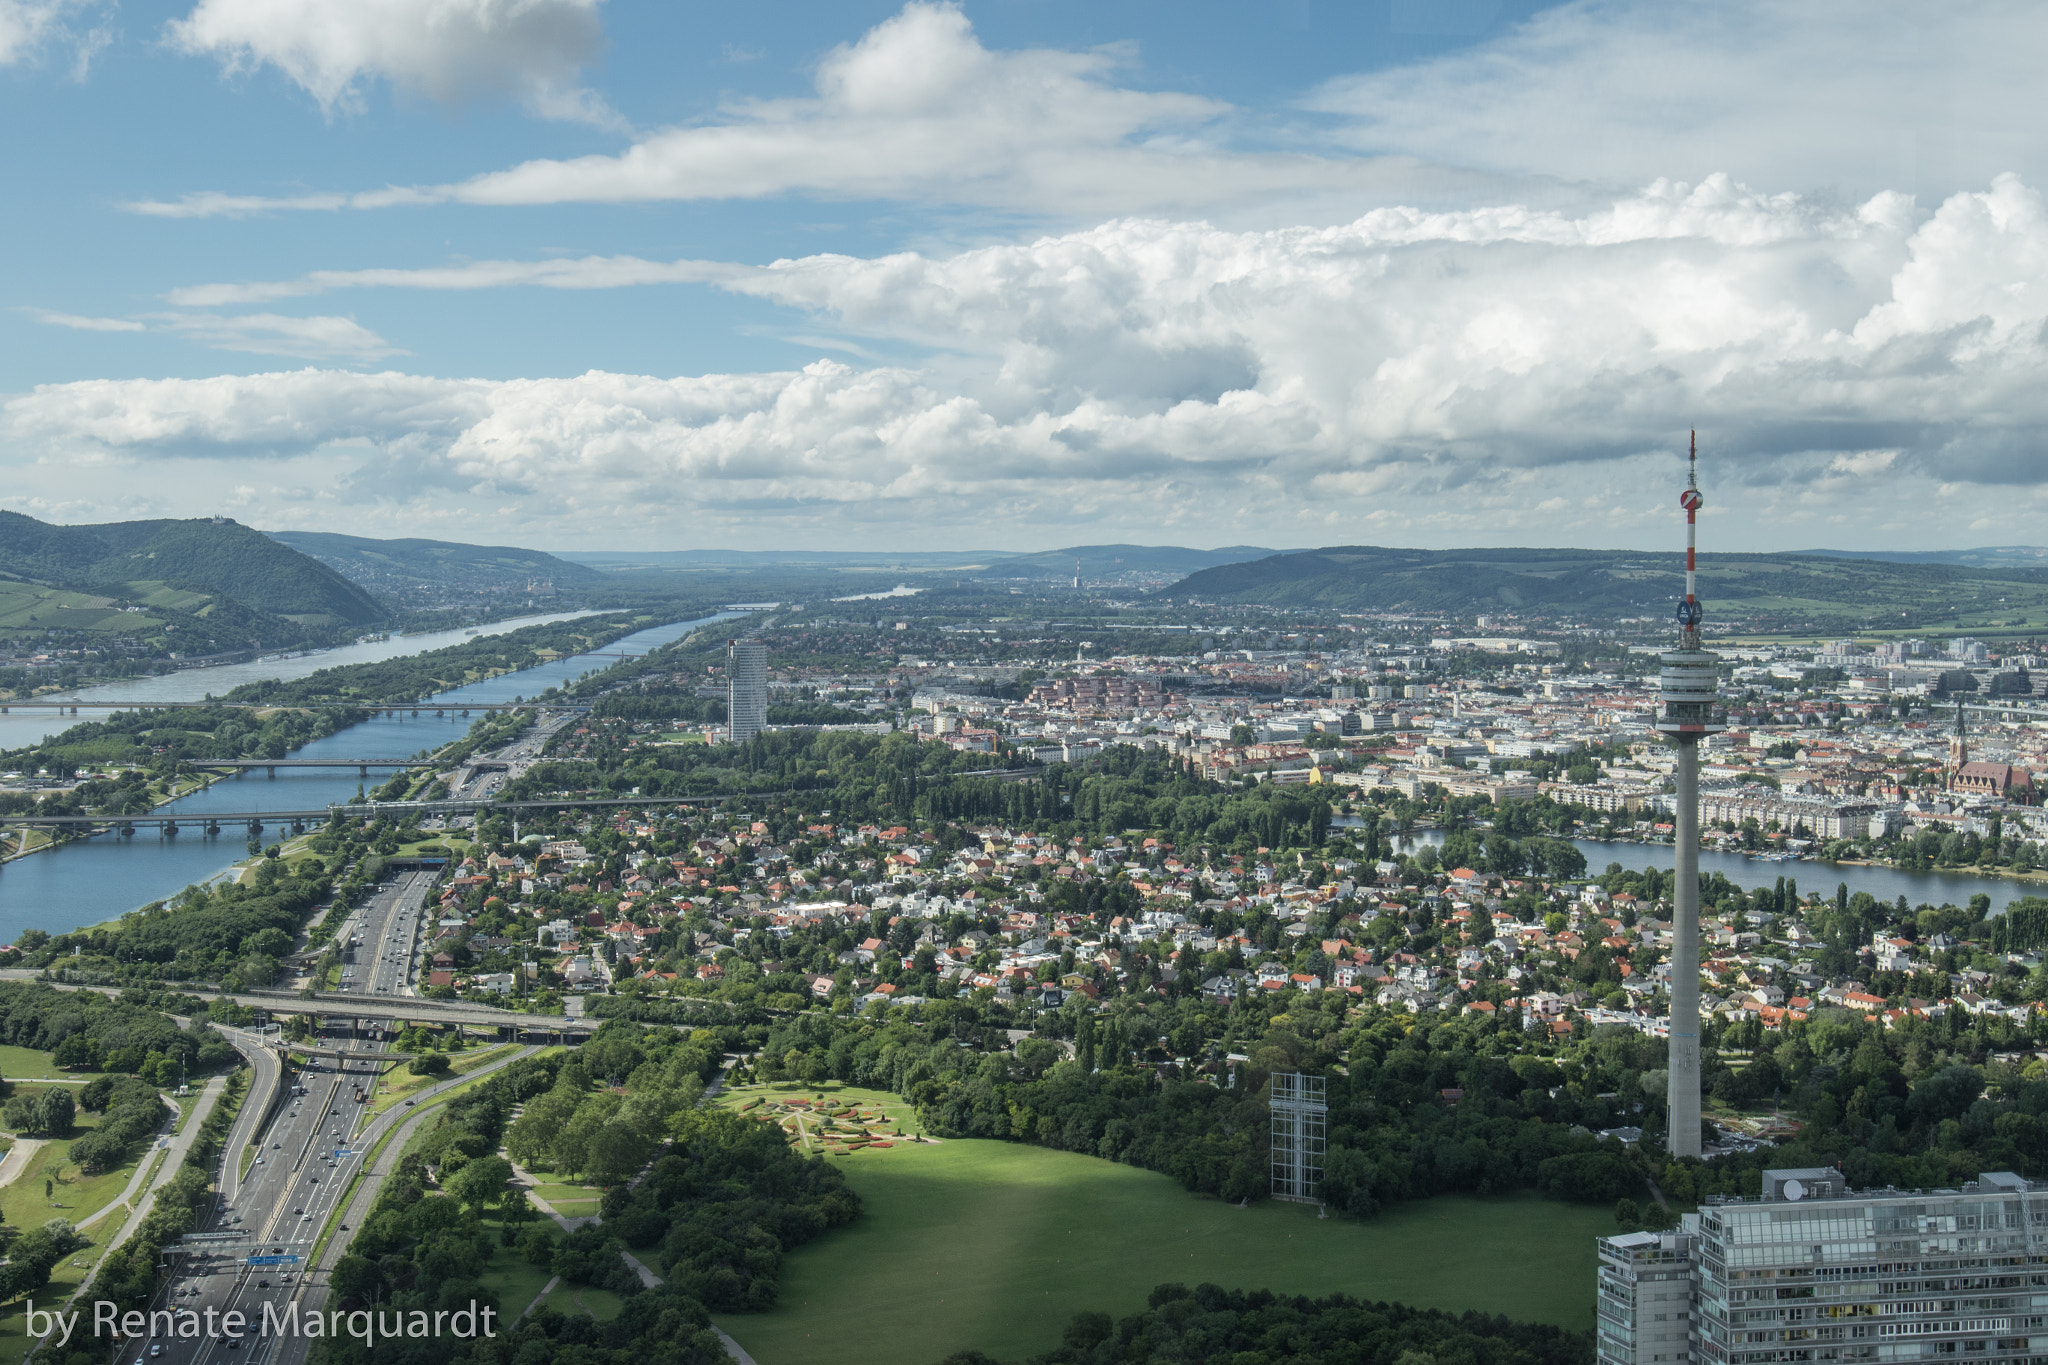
{"x":92,"y":880}
{"x":19,"y":729}
{"x":1885,"y":883}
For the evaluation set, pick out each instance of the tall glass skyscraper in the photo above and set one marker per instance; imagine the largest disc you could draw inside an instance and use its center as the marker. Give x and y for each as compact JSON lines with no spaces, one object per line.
{"x":746,"y":688}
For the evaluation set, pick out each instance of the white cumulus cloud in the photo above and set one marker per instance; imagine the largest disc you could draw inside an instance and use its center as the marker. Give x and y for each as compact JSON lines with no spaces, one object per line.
{"x":1509,"y":373}
{"x":445,"y":50}
{"x":918,"y":109}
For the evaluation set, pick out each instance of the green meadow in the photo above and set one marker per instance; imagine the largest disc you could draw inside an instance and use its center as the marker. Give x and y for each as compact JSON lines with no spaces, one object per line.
{"x":994,"y":1245}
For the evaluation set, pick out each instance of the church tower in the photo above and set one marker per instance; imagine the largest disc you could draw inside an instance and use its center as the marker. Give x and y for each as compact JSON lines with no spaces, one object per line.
{"x":1958,"y":751}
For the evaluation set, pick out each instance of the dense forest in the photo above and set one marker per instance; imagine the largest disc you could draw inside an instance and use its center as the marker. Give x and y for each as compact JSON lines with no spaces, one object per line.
{"x":1427,"y":1105}
{"x":1210,"y":1323}
{"x":713,"y":1213}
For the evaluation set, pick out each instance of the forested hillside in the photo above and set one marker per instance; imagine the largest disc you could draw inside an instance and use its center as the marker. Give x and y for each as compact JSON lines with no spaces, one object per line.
{"x":424,"y":573}
{"x":132,"y":558}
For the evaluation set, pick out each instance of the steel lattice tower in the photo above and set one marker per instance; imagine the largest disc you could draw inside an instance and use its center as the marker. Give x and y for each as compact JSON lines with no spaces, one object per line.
{"x":1298,"y":1109}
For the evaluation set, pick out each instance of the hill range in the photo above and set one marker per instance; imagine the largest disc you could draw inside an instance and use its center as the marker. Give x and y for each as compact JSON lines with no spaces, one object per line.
{"x":427,"y":573}
{"x":1810,"y":592}
{"x":189,"y":587}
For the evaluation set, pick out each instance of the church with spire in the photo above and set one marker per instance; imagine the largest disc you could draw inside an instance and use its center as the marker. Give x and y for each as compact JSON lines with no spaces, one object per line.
{"x":1961,"y":777}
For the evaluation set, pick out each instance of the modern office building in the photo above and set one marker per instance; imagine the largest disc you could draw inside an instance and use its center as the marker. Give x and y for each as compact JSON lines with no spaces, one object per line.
{"x":746,"y":689}
{"x":1814,"y":1272}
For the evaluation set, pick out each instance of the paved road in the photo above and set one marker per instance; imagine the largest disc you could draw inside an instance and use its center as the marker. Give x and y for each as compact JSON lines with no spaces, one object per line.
{"x":208,"y":1094}
{"x":174,"y":1159}
{"x":267,"y":1071}
{"x":378,"y":941}
{"x":401,"y":1123}
{"x":339,"y":1004}
{"x":298,"y":1172}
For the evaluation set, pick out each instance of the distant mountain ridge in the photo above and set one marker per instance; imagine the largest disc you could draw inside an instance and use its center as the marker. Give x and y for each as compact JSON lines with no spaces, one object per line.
{"x":1988,"y":557}
{"x":135,"y":559}
{"x":1096,"y":561}
{"x":1823,"y":592}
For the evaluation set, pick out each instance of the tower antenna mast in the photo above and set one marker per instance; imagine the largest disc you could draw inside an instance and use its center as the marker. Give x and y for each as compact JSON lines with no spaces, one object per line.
{"x":1689,"y":684}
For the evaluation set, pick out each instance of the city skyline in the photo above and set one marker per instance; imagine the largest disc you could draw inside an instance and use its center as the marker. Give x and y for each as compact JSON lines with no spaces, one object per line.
{"x":971,"y":274}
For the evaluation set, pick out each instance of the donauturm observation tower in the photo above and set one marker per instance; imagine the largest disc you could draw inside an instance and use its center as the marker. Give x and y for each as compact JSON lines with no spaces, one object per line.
{"x":1690,"y":684}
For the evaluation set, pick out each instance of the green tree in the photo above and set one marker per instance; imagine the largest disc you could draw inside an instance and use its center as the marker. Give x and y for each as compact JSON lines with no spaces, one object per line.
{"x":480,"y":1183}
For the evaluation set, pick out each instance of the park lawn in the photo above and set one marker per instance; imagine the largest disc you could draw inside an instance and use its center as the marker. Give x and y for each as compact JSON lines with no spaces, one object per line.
{"x":517,"y":1282}
{"x":601,"y":1304}
{"x":976,"y":1244}
{"x":573,"y":1200}
{"x":398,"y":1086}
{"x":76,"y":1196}
{"x":65,"y":1278}
{"x":25,"y":1063}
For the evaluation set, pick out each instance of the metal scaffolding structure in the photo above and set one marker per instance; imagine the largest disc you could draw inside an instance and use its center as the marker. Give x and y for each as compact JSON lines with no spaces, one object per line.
{"x":1298,"y":1111}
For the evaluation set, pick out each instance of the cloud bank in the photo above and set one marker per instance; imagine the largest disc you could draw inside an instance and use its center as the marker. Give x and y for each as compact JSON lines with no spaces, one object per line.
{"x":1511,"y":371}
{"x":916,"y":110}
{"x":1853,"y":95}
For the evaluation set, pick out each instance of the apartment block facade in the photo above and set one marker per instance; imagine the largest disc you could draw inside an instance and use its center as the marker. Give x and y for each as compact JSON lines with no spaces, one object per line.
{"x":1814,"y":1272}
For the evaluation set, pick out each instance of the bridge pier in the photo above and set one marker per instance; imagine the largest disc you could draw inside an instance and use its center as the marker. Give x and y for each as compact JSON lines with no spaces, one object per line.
{"x":273,"y":774}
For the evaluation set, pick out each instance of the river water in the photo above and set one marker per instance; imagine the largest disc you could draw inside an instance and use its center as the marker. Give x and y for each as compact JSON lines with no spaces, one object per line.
{"x":93,"y":880}
{"x":1885,"y":883}
{"x":18,"y":729}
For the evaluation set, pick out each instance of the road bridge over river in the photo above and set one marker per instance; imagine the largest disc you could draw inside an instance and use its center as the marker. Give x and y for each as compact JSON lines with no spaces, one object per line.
{"x":169,"y":821}
{"x":384,"y":708}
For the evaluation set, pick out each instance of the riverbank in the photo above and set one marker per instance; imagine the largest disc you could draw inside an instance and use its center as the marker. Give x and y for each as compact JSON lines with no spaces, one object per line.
{"x":2035,"y":877}
{"x":1936,"y":886}
{"x":88,"y":881}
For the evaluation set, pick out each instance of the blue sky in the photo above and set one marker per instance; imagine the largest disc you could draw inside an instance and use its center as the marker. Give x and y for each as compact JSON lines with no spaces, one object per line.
{"x":573,"y":273}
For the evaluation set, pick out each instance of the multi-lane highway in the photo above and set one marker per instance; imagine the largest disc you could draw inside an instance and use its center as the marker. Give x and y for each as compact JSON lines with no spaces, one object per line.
{"x":379,"y":941}
{"x":270,"y":1212}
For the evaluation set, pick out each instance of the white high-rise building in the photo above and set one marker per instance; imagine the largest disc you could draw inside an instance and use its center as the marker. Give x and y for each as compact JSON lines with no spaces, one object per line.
{"x":746,"y":689}
{"x":1814,"y":1272}
{"x":1645,"y":1297}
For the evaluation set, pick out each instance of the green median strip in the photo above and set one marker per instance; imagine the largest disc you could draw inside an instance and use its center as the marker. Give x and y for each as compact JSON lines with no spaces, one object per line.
{"x":368,"y":1159}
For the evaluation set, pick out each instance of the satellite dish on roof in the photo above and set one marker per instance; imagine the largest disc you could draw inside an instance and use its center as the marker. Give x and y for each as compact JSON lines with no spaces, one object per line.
{"x":1794,"y":1189}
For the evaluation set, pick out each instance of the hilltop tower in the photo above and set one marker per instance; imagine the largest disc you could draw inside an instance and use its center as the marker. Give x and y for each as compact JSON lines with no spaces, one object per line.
{"x":1690,"y":683}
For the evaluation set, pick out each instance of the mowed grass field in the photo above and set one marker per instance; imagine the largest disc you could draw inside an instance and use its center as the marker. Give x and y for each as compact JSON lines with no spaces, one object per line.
{"x":994,"y":1245}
